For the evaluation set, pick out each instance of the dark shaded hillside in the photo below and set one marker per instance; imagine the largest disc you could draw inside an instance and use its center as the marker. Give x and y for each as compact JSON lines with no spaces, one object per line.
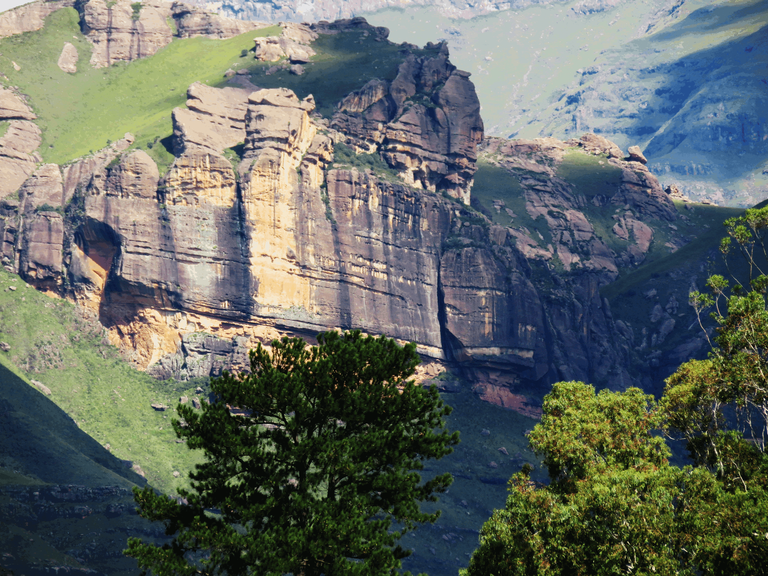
{"x":65,"y":501}
{"x":42,"y":442}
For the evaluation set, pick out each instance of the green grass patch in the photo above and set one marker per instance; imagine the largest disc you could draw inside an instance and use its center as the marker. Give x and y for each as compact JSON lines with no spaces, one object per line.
{"x":494,"y":184}
{"x":589,"y":175}
{"x":346,"y":157}
{"x":706,"y":220}
{"x":344,"y":62}
{"x":107,"y":398}
{"x":4,"y":124}
{"x":78,"y":113}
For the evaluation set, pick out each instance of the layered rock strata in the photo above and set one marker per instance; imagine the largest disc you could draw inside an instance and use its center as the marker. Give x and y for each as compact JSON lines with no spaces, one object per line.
{"x":636,"y":198}
{"x":290,"y":245}
{"x":19,"y":144}
{"x":29,"y":17}
{"x":254,"y":233}
{"x":126,"y":30}
{"x":425,"y":124}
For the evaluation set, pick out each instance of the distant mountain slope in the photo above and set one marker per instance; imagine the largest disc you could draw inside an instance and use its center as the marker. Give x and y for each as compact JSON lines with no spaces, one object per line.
{"x":314,"y":10}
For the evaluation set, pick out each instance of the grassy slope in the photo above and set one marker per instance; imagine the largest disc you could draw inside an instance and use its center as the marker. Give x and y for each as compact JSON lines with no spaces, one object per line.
{"x":42,"y":444}
{"x":107,"y":398}
{"x":80,"y":112}
{"x":344,"y":63}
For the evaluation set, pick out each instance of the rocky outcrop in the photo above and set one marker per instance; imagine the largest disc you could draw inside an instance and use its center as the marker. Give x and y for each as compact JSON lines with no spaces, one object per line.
{"x":19,"y":144}
{"x":82,"y":172}
{"x":574,"y":242}
{"x":136,"y":176}
{"x":43,"y":189}
{"x":425,"y":124}
{"x":126,"y":30}
{"x":18,"y":154}
{"x":29,"y":17}
{"x":214,"y":119}
{"x":194,"y":21}
{"x":120,"y":31}
{"x":293,"y":44}
{"x":13,"y":107}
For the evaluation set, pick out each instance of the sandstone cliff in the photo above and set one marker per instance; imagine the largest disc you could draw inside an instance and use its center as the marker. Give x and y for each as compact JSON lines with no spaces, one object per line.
{"x":241,"y":243}
{"x":425,"y":124}
{"x":29,"y":17}
{"x":126,"y":30}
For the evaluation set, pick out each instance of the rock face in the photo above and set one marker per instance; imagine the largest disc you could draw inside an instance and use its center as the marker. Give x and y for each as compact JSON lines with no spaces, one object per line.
{"x":254,"y":233}
{"x":118,"y":32}
{"x":298,"y":11}
{"x":425,"y":124}
{"x":126,"y":30}
{"x":190,"y":272}
{"x":19,"y":144}
{"x":29,"y":17}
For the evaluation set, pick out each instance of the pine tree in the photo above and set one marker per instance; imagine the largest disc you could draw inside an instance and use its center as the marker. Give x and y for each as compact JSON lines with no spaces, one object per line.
{"x":315,"y":473}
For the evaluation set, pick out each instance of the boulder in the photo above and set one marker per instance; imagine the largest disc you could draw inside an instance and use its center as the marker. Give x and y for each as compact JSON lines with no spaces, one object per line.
{"x":214,"y":119}
{"x":68,"y":58}
{"x":636,"y":155}
{"x":42,"y":387}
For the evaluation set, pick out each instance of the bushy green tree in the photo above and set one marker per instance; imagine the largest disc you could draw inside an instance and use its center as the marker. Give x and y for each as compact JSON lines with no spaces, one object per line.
{"x":614,"y":505}
{"x":316,"y":472}
{"x":610,"y":505}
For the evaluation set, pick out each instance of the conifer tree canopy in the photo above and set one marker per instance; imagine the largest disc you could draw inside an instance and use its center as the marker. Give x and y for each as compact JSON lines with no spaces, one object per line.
{"x":315,"y":473}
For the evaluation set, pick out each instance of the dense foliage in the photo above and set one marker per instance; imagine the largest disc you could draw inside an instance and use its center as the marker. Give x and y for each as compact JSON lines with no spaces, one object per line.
{"x":310,"y":472}
{"x":614,"y":504}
